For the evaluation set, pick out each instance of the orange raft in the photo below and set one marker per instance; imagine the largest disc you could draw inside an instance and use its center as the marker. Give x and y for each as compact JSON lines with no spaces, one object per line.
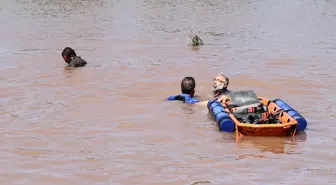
{"x":286,"y":125}
{"x":273,"y":120}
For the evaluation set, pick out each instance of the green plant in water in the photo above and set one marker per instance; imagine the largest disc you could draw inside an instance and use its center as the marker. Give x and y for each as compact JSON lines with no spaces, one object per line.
{"x":195,"y":40}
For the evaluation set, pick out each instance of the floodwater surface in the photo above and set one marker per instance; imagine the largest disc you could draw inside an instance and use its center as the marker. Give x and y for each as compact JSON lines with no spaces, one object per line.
{"x":108,"y":123}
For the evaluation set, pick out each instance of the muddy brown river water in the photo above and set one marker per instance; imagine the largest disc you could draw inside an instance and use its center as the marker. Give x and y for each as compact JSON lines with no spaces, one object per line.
{"x":108,"y":123}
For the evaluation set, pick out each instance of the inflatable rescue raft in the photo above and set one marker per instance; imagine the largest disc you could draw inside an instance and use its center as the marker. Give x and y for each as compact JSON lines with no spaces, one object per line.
{"x":247,"y":114}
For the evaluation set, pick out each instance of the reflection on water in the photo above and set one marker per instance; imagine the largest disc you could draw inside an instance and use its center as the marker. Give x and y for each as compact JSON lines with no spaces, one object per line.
{"x":108,"y":123}
{"x":276,"y":145}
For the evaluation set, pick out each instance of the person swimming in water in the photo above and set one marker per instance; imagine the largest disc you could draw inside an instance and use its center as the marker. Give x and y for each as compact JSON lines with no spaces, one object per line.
{"x":70,"y":57}
{"x":219,"y":89}
{"x":188,"y":85}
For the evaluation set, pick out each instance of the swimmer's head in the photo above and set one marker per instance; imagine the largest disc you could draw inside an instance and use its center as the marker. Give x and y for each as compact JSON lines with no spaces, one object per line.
{"x":188,"y":85}
{"x":220,"y":84}
{"x":68,"y":54}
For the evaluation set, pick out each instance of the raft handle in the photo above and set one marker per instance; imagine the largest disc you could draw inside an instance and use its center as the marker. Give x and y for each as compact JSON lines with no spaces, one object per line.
{"x":281,"y":114}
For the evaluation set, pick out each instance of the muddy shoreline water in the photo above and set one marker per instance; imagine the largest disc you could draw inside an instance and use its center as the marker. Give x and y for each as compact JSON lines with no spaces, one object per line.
{"x":107,"y":123}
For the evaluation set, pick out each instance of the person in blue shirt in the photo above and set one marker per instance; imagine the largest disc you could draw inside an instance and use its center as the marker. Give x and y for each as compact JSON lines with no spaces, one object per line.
{"x":188,"y":85}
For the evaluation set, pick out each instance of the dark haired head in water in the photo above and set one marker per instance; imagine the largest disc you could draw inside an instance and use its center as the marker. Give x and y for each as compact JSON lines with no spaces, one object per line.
{"x":70,"y":57}
{"x":188,"y":85}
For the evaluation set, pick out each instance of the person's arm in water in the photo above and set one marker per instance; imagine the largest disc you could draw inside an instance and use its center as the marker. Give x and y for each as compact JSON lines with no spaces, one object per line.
{"x":202,"y":103}
{"x":222,"y":99}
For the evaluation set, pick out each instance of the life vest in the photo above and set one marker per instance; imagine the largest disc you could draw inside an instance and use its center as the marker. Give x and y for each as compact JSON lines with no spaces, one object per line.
{"x":185,"y":98}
